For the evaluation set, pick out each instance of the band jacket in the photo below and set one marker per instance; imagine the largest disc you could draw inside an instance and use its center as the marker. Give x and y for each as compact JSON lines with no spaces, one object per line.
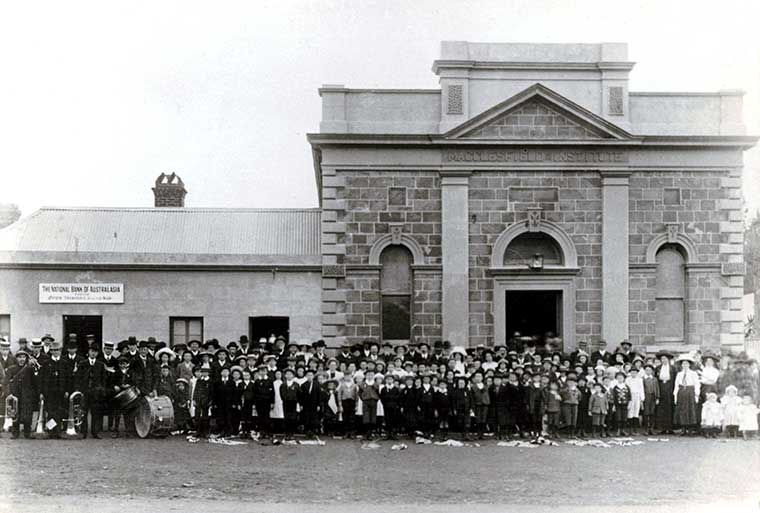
{"x":70,"y":367}
{"x":21,"y":382}
{"x":479,"y":396}
{"x":263,"y":391}
{"x":120,"y":379}
{"x":91,"y":379}
{"x":202,"y":397}
{"x":145,"y":374}
{"x":54,"y":386}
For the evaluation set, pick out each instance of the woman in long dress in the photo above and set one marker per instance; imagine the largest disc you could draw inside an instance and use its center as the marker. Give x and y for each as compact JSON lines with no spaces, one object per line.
{"x":686,"y":394}
{"x":665,"y":373}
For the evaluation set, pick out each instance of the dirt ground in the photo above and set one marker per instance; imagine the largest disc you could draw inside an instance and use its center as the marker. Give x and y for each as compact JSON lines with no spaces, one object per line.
{"x":126,"y":475}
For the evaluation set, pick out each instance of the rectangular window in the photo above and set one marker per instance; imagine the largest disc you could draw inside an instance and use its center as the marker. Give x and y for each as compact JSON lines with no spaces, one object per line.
{"x":5,"y":327}
{"x":184,"y":329}
{"x":396,"y":317}
{"x":397,"y":196}
{"x":671,"y":197}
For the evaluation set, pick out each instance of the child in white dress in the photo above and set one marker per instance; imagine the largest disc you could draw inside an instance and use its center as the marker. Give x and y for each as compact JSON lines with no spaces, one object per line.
{"x":712,"y":416}
{"x":730,"y":403}
{"x":748,"y":418}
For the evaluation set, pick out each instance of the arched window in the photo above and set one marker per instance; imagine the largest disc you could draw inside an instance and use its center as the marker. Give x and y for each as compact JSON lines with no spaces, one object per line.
{"x":670,"y":295}
{"x":396,"y":292}
{"x":524,"y":246}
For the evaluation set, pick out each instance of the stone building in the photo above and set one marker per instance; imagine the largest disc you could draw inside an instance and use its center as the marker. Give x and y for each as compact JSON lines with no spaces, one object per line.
{"x":532,"y":192}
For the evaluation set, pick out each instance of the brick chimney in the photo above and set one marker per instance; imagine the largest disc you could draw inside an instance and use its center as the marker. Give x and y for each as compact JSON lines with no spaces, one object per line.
{"x":169,"y":191}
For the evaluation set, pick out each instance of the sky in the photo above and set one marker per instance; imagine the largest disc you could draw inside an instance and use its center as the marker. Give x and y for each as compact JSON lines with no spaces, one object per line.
{"x":98,"y":98}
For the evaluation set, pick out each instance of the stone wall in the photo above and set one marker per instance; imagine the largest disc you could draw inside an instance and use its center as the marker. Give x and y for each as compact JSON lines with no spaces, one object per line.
{"x":708,"y":213}
{"x":572,"y":200}
{"x":359,"y":207}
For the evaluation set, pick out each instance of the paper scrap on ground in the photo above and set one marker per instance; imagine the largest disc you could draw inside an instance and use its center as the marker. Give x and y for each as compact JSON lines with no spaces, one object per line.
{"x":422,"y":441}
{"x":399,"y":447}
{"x":370,"y":445}
{"x":226,"y":441}
{"x":311,"y":442}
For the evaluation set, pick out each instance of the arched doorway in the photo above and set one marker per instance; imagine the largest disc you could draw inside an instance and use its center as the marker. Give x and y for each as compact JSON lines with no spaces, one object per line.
{"x":533,"y":268}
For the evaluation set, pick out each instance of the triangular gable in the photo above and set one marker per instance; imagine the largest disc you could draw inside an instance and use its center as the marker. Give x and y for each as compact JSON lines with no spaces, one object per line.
{"x":537,"y":113}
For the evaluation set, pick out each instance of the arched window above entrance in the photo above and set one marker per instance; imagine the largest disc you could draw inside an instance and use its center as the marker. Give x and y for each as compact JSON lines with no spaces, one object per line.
{"x":526,"y":245}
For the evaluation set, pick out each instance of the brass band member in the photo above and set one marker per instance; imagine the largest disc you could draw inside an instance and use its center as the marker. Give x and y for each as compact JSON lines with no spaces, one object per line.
{"x":21,"y":381}
{"x":91,"y":378}
{"x":54,"y":386}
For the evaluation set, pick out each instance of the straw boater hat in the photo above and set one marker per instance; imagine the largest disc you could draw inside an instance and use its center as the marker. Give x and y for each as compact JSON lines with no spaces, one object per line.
{"x":165,"y":350}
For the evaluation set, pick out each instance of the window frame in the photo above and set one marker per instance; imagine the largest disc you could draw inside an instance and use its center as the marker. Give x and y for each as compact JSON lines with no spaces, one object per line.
{"x":187,"y":320}
{"x":683,"y":298}
{"x":409,"y":294}
{"x":10,"y":326}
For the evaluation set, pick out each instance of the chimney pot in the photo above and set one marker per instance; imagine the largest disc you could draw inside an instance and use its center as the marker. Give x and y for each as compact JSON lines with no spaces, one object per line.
{"x":169,"y":191}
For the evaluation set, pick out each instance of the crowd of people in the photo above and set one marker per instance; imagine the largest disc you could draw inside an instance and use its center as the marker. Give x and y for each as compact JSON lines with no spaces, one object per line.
{"x":274,"y":388}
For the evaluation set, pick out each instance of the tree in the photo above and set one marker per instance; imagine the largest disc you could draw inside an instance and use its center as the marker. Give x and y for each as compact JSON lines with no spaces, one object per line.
{"x":9,"y":214}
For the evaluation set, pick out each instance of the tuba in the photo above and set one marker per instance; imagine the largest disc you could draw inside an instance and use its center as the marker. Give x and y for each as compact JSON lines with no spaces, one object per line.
{"x":76,"y":412}
{"x":40,"y":431}
{"x":11,"y":411}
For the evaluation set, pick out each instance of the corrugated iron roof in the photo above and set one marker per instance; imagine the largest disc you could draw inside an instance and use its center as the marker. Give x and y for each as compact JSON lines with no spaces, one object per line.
{"x":176,"y":231}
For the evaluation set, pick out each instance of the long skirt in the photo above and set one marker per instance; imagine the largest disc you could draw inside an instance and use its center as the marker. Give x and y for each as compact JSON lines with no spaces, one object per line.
{"x":665,"y":408}
{"x":686,"y":407}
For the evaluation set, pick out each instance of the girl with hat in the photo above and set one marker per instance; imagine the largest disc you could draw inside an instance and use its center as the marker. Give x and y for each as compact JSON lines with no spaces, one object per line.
{"x":686,"y":394}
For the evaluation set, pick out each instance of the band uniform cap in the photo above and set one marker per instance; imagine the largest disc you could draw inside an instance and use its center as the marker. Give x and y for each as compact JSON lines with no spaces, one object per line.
{"x":47,"y":336}
{"x":21,"y":352}
{"x":93,"y":347}
{"x":90,"y":335}
{"x":22,"y":340}
{"x":143,"y":343}
{"x":73,"y":335}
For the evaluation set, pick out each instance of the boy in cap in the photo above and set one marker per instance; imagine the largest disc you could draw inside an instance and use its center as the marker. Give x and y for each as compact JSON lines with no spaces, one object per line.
{"x":263,"y":399}
{"x":598,"y":407}
{"x":289,"y":395}
{"x":390,"y":396}
{"x":460,"y":406}
{"x":480,"y":402}
{"x":651,"y":398}
{"x":370,"y":395}
{"x":571,"y":398}
{"x":202,"y":401}
{"x":310,"y":399}
{"x":120,"y":380}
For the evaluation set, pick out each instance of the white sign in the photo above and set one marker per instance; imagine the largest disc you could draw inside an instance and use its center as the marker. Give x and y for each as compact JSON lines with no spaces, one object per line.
{"x":81,"y":292}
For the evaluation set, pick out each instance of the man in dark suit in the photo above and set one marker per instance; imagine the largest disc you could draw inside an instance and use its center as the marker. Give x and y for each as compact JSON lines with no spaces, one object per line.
{"x":91,"y":377}
{"x":71,"y":363}
{"x":6,"y":358}
{"x":345,"y":356}
{"x":223,"y":391}
{"x":54,"y":388}
{"x":263,"y":398}
{"x":144,"y":370}
{"x":601,"y":354}
{"x":109,"y":360}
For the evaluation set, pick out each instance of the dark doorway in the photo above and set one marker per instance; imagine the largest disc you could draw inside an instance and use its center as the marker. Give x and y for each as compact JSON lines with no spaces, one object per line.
{"x":267,"y":326}
{"x":534,"y":312}
{"x":83,"y":325}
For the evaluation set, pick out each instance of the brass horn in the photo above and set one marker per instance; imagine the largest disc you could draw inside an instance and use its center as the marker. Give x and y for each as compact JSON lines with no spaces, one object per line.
{"x":11,"y":411}
{"x":40,"y":429}
{"x":76,"y":412}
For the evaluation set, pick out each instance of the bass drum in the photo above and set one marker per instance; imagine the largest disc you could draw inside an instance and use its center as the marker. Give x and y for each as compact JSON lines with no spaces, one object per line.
{"x":126,"y":399}
{"x":154,"y":416}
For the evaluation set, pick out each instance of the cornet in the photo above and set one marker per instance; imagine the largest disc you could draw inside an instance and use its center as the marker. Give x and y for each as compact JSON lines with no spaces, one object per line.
{"x":40,"y":430}
{"x":11,"y":411}
{"x":76,"y":412}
